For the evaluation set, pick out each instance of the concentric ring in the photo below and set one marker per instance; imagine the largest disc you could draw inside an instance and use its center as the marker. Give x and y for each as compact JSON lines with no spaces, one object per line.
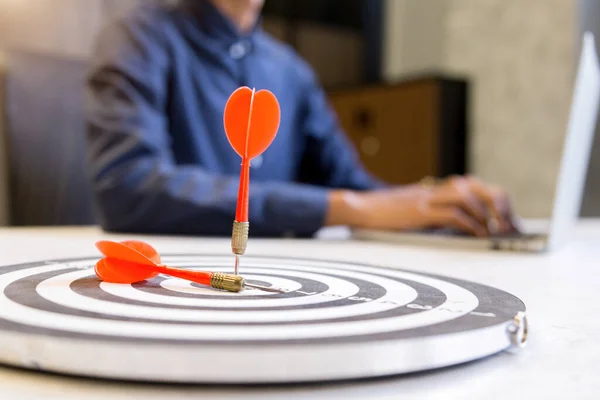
{"x":330,"y":301}
{"x":395,"y":315}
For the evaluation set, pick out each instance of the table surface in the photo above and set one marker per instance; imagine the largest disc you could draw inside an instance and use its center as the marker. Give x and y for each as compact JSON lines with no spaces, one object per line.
{"x":561,"y":291}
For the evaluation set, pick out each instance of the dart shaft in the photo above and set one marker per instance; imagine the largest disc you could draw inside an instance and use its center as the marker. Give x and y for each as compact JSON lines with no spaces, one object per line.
{"x":201,"y":277}
{"x":241,"y":213}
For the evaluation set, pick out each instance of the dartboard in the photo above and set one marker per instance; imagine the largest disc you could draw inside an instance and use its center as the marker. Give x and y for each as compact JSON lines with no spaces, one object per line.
{"x":334,"y":320}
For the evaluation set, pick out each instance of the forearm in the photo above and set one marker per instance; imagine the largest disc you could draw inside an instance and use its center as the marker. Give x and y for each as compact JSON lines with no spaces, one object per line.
{"x":341,"y":209}
{"x":146,"y":197}
{"x":353,"y":208}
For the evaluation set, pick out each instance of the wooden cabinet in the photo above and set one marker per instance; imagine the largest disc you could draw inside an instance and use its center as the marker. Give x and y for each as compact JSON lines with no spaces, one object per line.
{"x":407,"y":130}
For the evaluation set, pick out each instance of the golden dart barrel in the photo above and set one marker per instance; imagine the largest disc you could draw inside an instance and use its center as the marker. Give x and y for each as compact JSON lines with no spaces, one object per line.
{"x":232,"y":283}
{"x":239,"y":237}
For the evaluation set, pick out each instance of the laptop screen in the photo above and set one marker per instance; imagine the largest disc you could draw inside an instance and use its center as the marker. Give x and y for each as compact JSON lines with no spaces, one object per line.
{"x":578,"y":144}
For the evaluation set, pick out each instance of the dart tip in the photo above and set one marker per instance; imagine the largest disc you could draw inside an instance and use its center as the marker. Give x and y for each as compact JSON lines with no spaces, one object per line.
{"x":236,"y":265}
{"x":235,"y":283}
{"x":265,"y":288}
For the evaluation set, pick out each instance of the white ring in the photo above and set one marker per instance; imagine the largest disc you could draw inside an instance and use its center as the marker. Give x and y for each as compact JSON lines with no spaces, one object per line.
{"x":52,"y":290}
{"x":335,"y":286}
{"x":459,"y":302}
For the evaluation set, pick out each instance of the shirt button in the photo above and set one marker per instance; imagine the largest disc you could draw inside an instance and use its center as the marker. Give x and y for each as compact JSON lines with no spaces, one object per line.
{"x":257,"y":162}
{"x":237,"y":50}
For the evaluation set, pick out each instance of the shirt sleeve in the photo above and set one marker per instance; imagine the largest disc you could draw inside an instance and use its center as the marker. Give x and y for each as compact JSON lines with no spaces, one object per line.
{"x":330,"y":159}
{"x":136,"y":183}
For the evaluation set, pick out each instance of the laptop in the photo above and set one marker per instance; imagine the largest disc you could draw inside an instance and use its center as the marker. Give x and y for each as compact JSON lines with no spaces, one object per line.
{"x":570,"y":182}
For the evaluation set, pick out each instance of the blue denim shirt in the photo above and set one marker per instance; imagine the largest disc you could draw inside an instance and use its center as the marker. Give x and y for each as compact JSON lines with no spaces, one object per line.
{"x":159,"y":160}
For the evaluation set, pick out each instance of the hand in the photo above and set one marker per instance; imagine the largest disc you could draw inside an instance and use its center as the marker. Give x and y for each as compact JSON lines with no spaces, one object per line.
{"x":463,"y":203}
{"x":485,"y":208}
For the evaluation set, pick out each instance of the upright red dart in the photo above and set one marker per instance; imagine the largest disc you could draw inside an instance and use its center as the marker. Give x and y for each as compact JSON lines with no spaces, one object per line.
{"x":251,"y":119}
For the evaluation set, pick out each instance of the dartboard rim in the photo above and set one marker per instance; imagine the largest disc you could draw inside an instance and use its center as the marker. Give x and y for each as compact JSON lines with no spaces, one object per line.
{"x":278,"y":363}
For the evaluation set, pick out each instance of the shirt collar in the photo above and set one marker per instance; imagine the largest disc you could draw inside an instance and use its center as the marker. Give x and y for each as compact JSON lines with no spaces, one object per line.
{"x":214,"y":23}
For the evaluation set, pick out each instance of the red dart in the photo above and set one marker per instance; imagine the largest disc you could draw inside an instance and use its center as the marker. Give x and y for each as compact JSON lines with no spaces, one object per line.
{"x":251,"y":121}
{"x":138,"y":261}
{"x":134,"y":261}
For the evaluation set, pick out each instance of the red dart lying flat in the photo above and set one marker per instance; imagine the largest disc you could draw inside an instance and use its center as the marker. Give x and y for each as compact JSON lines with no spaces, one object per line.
{"x":134,"y":261}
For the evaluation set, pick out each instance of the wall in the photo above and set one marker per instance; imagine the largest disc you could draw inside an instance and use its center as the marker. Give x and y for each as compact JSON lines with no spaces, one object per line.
{"x":414,"y":37}
{"x":519,"y":55}
{"x":66,"y":27}
{"x":63,"y":27}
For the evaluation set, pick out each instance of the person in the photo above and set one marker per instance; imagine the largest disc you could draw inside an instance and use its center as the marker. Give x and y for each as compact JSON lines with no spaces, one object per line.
{"x":160,"y":161}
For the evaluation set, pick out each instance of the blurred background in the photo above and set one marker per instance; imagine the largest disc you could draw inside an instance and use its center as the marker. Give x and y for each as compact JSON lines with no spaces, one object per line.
{"x":423,"y":87}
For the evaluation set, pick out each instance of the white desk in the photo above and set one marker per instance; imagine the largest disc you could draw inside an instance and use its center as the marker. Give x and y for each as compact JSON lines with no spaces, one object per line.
{"x":561,"y":291}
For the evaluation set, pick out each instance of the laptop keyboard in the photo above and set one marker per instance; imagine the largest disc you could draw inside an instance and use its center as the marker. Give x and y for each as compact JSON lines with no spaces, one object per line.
{"x":455,"y":232}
